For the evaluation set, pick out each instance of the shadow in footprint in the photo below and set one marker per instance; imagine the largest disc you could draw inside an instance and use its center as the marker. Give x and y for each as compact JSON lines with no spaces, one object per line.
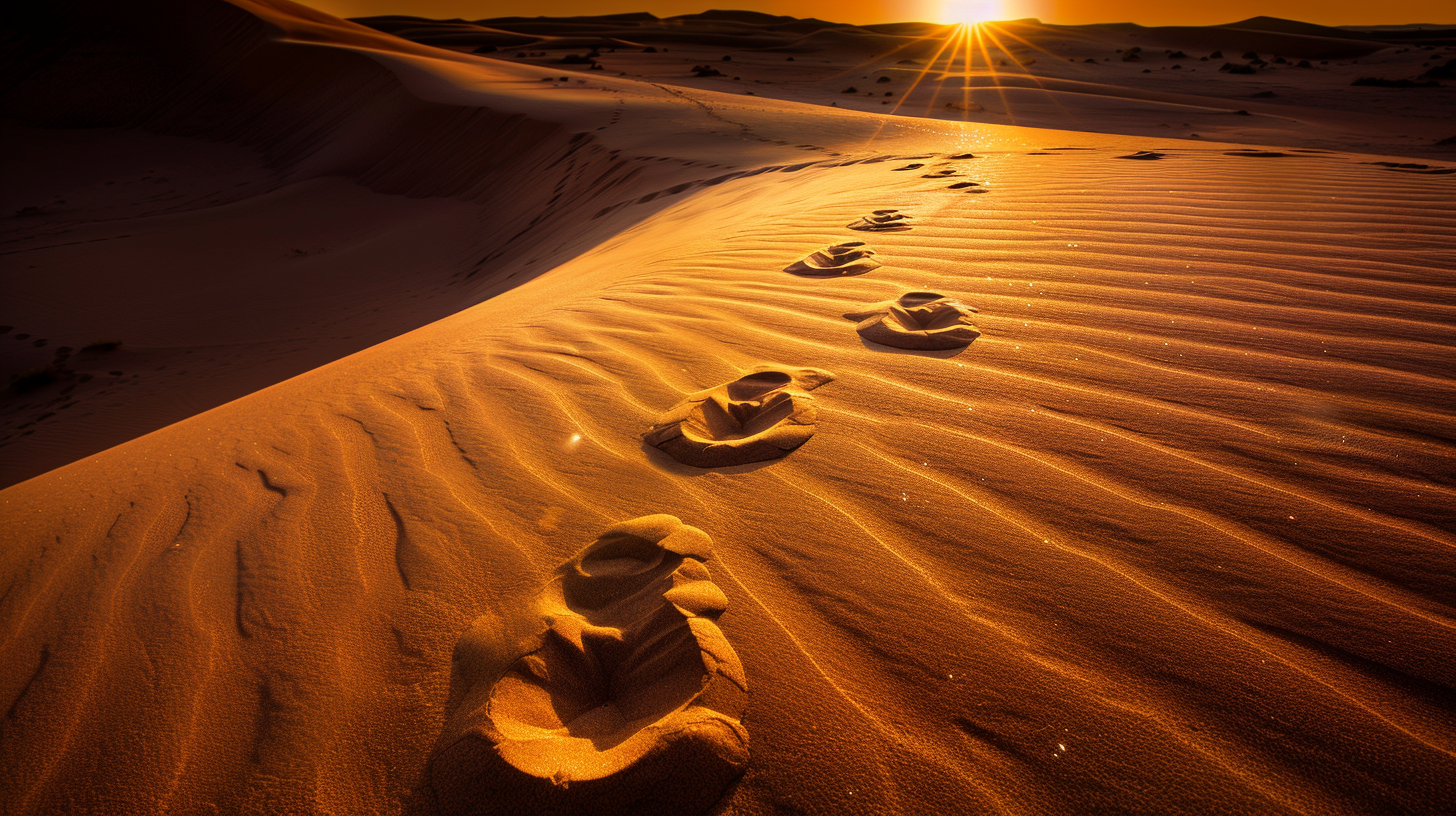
{"x":939,"y":174}
{"x":883,"y":221}
{"x":966,"y":185}
{"x":838,"y":261}
{"x":1410,"y":167}
{"x":921,"y":321}
{"x":625,"y":697}
{"x":760,"y":416}
{"x":960,"y":156}
{"x":1143,"y":155}
{"x":915,"y":166}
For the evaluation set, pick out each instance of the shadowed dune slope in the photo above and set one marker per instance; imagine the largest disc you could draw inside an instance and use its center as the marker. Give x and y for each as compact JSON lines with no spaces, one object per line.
{"x":1172,"y":535}
{"x":236,"y":206}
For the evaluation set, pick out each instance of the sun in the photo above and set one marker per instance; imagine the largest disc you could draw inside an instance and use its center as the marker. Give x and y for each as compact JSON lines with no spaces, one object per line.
{"x":970,"y":12}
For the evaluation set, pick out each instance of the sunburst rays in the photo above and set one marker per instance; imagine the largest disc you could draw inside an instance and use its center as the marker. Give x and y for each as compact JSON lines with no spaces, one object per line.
{"x":974,"y":54}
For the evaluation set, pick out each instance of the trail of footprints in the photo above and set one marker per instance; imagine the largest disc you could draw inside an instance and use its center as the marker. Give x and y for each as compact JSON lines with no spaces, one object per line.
{"x":768,"y":412}
{"x":616,"y":692}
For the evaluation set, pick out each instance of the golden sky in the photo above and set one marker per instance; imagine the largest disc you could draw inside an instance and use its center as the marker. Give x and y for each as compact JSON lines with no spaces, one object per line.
{"x":1147,"y":12}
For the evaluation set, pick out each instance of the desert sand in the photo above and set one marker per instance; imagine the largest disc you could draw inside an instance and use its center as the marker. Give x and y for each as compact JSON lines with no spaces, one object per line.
{"x":411,"y":429}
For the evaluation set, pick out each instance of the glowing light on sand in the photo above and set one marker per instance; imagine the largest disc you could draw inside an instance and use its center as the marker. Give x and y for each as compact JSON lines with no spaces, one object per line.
{"x":971,"y":12}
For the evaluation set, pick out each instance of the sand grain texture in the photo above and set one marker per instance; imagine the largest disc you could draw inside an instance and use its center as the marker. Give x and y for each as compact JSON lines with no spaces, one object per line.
{"x":1172,"y":535}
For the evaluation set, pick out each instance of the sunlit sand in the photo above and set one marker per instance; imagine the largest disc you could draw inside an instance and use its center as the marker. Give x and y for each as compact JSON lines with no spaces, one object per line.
{"x":405,"y":425}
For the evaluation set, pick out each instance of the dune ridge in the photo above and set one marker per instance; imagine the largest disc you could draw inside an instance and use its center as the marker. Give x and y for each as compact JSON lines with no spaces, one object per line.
{"x":1262,"y":80}
{"x":381,"y":209}
{"x":1171,"y":535}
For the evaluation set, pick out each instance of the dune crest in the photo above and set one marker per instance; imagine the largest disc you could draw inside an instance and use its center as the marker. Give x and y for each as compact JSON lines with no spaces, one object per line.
{"x":760,"y":416}
{"x":918,"y":320}
{"x":629,"y":701}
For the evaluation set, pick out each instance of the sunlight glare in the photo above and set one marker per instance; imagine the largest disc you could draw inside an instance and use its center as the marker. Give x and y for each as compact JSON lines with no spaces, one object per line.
{"x":970,"y":12}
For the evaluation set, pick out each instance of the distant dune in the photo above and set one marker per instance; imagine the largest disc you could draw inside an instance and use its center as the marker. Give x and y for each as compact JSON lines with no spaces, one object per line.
{"x":1295,"y":80}
{"x":399,"y":428}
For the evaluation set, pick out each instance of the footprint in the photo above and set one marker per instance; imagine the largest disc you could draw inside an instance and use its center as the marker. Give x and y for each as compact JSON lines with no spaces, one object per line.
{"x":760,"y":416}
{"x":960,"y":156}
{"x":923,"y":321}
{"x":939,"y":174}
{"x":883,"y":221}
{"x":625,"y":697}
{"x":838,"y":261}
{"x":1409,"y":167}
{"x":907,"y":167}
{"x":965,"y":185}
{"x":1144,"y":155}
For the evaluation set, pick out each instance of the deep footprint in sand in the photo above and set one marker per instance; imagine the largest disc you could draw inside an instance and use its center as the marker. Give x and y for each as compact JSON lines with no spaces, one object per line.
{"x":1143,"y":155}
{"x":968,"y":186}
{"x":625,"y":697}
{"x":838,"y":261}
{"x":760,"y":416}
{"x":883,"y":221}
{"x":915,"y":166}
{"x":924,"y":321}
{"x":939,"y":174}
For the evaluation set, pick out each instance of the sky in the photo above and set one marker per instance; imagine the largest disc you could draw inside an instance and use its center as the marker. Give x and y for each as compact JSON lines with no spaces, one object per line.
{"x":1070,"y":12}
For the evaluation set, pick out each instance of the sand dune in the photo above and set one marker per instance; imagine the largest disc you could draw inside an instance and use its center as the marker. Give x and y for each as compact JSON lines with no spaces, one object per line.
{"x":1169,"y":532}
{"x":276,"y":166}
{"x":1293,"y":87}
